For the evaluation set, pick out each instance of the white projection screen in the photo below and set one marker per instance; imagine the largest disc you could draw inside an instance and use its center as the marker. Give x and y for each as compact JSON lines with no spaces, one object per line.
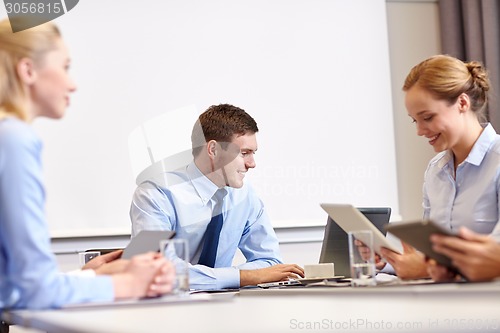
{"x":313,"y":73}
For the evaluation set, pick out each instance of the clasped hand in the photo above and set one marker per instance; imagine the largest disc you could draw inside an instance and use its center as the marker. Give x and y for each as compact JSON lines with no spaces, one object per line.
{"x":149,"y":274}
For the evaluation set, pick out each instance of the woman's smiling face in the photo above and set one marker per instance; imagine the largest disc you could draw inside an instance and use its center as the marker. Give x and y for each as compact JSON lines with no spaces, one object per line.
{"x":438,"y":120}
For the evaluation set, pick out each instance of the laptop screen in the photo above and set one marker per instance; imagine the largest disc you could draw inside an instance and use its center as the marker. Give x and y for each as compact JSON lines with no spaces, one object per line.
{"x":335,"y":246}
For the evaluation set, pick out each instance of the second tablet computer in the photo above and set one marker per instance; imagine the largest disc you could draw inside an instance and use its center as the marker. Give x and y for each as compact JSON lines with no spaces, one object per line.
{"x":145,"y":241}
{"x":417,"y":234}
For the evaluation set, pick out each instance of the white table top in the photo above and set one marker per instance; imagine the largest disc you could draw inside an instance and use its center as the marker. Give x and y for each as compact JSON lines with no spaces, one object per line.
{"x":420,"y":308}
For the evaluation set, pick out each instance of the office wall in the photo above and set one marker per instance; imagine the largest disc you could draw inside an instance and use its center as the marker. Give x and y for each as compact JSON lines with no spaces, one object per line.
{"x":414,"y":35}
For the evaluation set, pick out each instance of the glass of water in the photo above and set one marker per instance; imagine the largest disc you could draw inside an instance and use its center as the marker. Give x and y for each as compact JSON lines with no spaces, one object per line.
{"x":362,"y":258}
{"x":176,"y":251}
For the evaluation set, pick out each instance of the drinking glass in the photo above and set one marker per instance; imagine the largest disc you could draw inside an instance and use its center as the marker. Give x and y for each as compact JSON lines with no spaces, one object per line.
{"x":362,"y":258}
{"x":176,"y":250}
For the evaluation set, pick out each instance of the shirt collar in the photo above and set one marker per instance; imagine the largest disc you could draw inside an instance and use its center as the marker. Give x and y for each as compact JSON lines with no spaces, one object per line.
{"x":478,"y":151}
{"x":203,"y":186}
{"x":481,"y":146}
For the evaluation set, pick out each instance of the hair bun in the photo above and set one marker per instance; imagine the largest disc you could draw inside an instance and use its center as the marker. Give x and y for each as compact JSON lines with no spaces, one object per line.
{"x":479,"y":75}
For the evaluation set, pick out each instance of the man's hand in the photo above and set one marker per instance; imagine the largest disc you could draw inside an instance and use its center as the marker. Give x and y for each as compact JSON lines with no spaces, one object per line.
{"x":409,"y":265}
{"x":274,"y":273}
{"x":476,"y":256}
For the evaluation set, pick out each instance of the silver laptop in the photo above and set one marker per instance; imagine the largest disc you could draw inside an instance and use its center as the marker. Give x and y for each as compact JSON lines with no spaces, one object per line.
{"x":335,"y":247}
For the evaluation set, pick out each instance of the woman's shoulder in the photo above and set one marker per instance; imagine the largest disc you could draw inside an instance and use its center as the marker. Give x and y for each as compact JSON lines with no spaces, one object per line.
{"x":441,"y":157}
{"x":495,"y":145}
{"x":16,"y":133}
{"x":490,"y":139}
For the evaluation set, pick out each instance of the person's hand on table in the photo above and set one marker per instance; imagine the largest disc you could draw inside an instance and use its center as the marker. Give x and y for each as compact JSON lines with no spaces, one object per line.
{"x":145,"y":275}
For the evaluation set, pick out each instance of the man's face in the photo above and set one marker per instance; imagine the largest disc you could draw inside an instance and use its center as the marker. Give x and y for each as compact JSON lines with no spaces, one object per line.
{"x":233,"y":163}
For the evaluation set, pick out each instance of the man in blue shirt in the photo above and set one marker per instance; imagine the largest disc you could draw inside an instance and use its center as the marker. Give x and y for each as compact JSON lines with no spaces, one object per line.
{"x":186,"y":201}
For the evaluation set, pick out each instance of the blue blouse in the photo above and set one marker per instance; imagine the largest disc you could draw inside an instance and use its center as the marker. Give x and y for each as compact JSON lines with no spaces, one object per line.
{"x":29,"y":276}
{"x":469,"y":199}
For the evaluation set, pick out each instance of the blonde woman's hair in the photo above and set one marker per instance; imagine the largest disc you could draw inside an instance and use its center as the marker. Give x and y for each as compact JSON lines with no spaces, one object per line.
{"x":33,"y":43}
{"x":446,"y":78}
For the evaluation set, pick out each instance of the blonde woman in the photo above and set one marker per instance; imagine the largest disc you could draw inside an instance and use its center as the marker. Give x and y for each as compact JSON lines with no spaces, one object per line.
{"x":34,"y":82}
{"x":445,"y":98}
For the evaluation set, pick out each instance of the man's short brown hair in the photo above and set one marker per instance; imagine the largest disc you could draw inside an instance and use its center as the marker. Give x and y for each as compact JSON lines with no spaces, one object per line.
{"x":221,"y":123}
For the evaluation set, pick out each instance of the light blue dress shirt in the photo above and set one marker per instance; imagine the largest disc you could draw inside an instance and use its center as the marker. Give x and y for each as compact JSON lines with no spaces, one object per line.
{"x":471,"y":198}
{"x":29,"y":276}
{"x":182,"y":201}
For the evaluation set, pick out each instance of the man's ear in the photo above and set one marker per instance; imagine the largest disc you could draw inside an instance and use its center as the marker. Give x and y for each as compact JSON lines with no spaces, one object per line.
{"x":26,"y":71}
{"x":212,"y":148}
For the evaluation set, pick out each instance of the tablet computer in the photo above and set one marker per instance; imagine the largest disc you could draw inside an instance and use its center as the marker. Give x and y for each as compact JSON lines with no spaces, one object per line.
{"x":350,"y":219}
{"x":418,"y":233}
{"x":146,"y":241}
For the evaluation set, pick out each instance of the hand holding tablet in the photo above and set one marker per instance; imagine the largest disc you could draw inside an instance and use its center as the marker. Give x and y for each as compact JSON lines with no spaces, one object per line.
{"x":418,"y":233}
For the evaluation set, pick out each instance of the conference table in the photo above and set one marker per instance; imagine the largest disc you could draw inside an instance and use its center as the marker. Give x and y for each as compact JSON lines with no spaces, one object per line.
{"x":451,"y":307}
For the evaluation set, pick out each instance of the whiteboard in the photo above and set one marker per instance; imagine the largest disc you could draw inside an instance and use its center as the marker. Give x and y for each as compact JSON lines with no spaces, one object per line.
{"x":313,"y":73}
